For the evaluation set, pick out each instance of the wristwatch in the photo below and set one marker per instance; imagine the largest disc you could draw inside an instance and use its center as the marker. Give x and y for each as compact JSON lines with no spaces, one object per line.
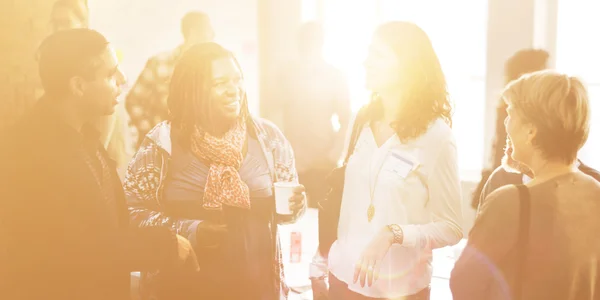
{"x":398,"y":233}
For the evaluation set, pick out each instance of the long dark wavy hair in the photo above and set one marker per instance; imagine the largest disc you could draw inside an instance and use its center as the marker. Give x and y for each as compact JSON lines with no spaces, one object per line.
{"x":424,"y":92}
{"x":190,"y":91}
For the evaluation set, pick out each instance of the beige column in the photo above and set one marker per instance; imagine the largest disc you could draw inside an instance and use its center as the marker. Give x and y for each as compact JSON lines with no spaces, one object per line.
{"x":510,"y":28}
{"x":278,"y":22}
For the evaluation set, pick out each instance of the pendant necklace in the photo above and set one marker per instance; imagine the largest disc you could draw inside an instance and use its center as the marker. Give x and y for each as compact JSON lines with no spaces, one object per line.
{"x":370,"y":212}
{"x":373,"y":186}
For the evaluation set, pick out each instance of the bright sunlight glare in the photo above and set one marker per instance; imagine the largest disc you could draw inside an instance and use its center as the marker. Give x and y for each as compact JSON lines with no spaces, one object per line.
{"x":457,"y":30}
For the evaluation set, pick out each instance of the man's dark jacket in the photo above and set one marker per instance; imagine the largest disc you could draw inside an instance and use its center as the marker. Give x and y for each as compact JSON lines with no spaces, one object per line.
{"x":59,"y":237}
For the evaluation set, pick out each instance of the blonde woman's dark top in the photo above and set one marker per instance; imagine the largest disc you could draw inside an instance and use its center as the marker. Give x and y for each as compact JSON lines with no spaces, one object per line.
{"x":562,"y":257}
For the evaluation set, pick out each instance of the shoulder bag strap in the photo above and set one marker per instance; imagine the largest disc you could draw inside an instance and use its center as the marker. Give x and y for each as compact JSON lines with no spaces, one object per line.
{"x":356,"y":130}
{"x":523,"y":238}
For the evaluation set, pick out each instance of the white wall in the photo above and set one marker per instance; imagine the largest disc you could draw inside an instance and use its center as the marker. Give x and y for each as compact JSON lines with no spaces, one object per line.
{"x":510,"y":28}
{"x":278,"y":24}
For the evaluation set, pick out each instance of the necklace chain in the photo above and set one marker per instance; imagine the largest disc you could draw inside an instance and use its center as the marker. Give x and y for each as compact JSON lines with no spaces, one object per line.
{"x":373,"y":183}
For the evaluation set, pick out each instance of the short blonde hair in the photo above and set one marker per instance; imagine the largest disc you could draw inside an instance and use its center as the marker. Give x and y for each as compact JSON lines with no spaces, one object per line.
{"x":558,"y":106}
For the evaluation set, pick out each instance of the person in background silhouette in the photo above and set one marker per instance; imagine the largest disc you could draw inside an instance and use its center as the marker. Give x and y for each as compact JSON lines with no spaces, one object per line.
{"x":522,"y":62}
{"x":69,"y":14}
{"x":146,"y":102}
{"x":309,"y":95}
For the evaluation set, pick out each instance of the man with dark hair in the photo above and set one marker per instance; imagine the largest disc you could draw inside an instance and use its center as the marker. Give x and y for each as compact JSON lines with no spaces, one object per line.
{"x":146,"y":103}
{"x":63,"y":217}
{"x":71,"y":14}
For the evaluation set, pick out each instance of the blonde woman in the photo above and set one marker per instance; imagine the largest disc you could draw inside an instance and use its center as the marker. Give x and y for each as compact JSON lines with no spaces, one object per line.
{"x":533,"y":241}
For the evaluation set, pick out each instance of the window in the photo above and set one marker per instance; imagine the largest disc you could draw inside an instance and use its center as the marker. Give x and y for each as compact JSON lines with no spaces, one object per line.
{"x":457,"y":30}
{"x":578,"y":53}
{"x":310,"y":10}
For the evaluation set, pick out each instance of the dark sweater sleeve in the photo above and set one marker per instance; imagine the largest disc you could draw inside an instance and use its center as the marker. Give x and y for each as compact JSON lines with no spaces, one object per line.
{"x":495,"y":180}
{"x":480,"y":188}
{"x":492,"y":237}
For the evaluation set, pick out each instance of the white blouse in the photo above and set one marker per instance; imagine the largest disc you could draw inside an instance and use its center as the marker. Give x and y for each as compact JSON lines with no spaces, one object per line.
{"x":415,"y":185}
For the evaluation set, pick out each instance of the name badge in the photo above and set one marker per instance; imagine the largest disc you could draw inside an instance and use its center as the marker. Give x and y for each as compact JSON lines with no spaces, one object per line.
{"x":400,"y":164}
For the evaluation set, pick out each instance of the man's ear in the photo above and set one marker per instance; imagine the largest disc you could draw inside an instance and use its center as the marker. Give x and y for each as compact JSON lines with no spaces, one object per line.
{"x":531,"y":133}
{"x":76,"y":86}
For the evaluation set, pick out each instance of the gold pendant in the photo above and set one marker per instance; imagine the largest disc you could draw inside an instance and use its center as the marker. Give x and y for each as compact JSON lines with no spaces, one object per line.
{"x":370,"y":212}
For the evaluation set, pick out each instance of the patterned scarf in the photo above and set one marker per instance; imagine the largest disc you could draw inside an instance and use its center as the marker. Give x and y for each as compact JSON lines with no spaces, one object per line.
{"x":223,"y":185}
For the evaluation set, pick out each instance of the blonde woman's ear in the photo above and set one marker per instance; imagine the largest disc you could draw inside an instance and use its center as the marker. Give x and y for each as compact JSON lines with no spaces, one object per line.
{"x":531,"y":135}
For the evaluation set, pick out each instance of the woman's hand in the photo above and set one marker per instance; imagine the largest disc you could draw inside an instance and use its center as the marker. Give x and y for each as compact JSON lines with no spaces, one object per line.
{"x":298,"y":200}
{"x":368,"y":266}
{"x":186,"y":254}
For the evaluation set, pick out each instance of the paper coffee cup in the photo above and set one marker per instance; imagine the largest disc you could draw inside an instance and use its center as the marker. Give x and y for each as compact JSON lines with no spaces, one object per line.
{"x":283,"y":192}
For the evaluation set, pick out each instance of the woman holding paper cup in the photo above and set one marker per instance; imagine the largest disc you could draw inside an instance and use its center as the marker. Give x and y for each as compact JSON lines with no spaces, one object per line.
{"x":212,"y":173}
{"x":401,"y":195}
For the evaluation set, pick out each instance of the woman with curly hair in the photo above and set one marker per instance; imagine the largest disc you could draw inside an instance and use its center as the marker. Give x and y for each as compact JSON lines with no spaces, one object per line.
{"x":401,"y":196}
{"x":208,"y":173}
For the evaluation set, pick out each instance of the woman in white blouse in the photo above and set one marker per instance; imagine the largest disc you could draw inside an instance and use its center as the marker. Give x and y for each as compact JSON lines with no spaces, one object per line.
{"x":401,"y":196}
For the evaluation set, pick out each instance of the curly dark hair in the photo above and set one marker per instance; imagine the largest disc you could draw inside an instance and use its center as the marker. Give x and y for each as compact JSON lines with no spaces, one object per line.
{"x":189,"y":91}
{"x":425,"y":96}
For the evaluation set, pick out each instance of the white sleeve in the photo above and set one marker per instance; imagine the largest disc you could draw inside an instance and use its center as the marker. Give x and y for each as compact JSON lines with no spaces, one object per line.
{"x":444,"y":203}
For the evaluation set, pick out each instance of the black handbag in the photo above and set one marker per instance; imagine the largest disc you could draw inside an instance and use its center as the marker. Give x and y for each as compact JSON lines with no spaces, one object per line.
{"x":329,"y":208}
